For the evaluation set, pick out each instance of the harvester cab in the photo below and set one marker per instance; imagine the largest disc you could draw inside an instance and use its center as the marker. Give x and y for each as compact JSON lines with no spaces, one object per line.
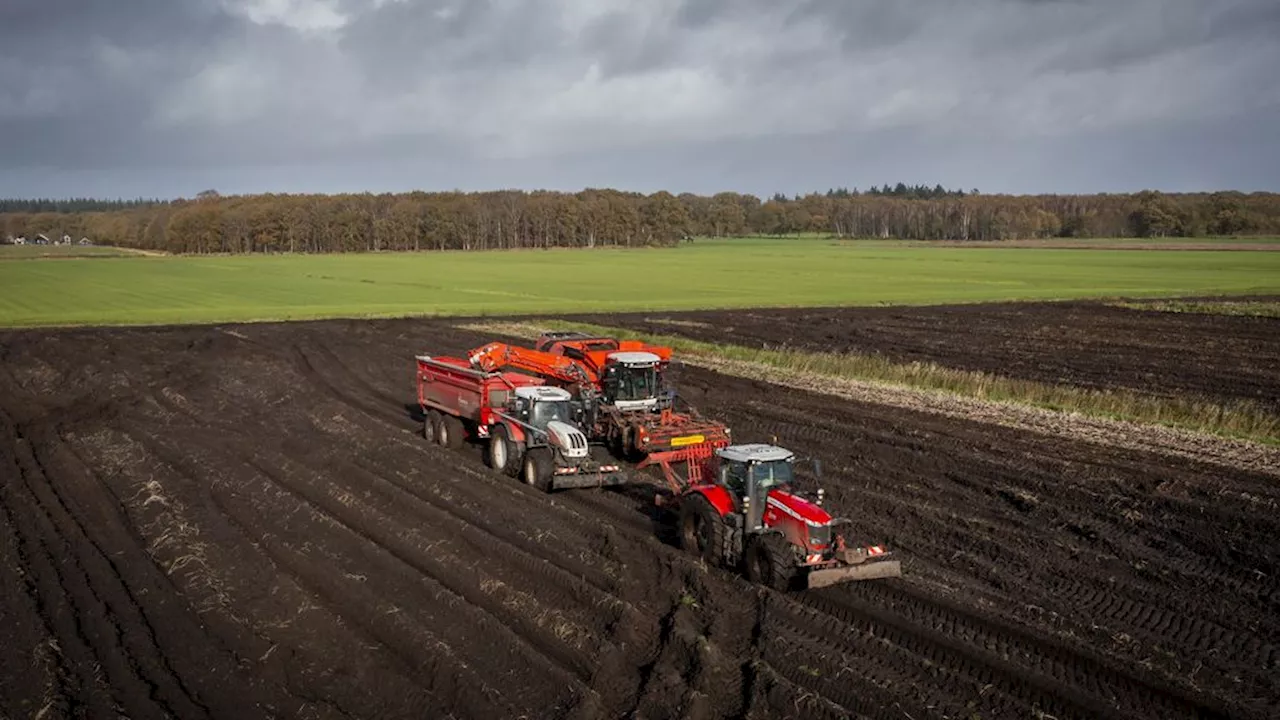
{"x":751,"y":516}
{"x":631,"y":381}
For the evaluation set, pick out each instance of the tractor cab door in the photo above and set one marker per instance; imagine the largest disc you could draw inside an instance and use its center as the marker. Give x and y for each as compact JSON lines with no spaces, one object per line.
{"x":733,"y":477}
{"x":748,"y":493}
{"x":758,"y":492}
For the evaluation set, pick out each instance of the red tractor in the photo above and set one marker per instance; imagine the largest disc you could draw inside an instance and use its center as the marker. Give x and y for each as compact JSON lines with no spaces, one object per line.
{"x":738,"y":509}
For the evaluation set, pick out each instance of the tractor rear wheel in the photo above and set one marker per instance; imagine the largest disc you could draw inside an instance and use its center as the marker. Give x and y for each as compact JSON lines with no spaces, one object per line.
{"x":701,"y":529}
{"x":770,"y":561}
{"x":539,"y":467}
{"x":504,"y":454}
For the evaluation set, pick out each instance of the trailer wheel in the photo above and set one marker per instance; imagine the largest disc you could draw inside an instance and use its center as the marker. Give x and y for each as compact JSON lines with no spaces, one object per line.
{"x":451,"y":433}
{"x":431,"y":426}
{"x":538,"y":468}
{"x":503,"y":455}
{"x":770,"y":561}
{"x":701,"y":529}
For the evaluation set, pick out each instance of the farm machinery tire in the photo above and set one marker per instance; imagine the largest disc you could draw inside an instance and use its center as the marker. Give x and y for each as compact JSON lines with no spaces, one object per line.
{"x":538,"y":469}
{"x":770,"y":561}
{"x":450,"y":433}
{"x":503,"y":454}
{"x":431,"y":426}
{"x":701,"y":529}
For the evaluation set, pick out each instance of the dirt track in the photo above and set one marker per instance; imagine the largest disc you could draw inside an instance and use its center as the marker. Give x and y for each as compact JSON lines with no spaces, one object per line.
{"x":245,"y":523}
{"x":1075,"y":343}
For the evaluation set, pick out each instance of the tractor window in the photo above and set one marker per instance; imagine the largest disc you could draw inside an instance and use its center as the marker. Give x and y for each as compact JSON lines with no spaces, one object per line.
{"x":771,"y":474}
{"x":545,"y":411}
{"x":735,"y":476}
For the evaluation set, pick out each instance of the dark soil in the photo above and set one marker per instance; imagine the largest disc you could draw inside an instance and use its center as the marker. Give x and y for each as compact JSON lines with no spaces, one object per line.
{"x":245,"y":522}
{"x":1088,"y":344}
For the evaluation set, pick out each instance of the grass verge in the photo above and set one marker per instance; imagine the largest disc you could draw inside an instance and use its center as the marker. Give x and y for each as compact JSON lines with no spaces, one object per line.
{"x":1247,"y":308}
{"x":1243,"y":420}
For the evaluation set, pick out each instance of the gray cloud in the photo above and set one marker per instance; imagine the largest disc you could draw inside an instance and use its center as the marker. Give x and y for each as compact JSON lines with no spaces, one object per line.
{"x":310,"y":94}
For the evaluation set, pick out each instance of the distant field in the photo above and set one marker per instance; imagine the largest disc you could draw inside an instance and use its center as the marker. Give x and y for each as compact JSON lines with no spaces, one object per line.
{"x":705,"y":275}
{"x":1253,"y":243}
{"x":30,"y":252}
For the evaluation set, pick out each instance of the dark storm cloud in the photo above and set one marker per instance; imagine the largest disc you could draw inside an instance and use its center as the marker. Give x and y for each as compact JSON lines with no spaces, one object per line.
{"x":594,"y":90}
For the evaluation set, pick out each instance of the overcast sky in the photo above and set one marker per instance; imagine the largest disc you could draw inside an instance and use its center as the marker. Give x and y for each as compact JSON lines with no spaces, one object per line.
{"x":169,"y":97}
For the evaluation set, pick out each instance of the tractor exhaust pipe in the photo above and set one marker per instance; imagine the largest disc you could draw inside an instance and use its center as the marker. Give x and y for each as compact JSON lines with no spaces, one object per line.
{"x":865,"y":571}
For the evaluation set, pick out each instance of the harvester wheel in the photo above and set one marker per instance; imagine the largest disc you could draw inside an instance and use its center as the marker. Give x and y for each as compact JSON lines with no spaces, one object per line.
{"x":701,"y":529}
{"x":431,"y":426}
{"x":770,"y":561}
{"x":539,"y":468}
{"x":450,"y":432}
{"x":503,"y":455}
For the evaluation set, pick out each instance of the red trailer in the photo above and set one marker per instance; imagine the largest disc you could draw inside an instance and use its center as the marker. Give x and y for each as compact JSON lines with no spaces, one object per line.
{"x":528,"y":425}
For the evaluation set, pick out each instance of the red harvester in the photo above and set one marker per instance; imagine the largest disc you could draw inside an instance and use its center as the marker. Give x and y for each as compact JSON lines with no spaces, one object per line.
{"x":620,"y":386}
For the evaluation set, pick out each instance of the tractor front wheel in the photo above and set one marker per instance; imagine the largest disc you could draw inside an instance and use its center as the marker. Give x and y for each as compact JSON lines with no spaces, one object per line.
{"x":770,"y":561}
{"x":539,"y":467}
{"x":504,"y":454}
{"x":701,"y":529}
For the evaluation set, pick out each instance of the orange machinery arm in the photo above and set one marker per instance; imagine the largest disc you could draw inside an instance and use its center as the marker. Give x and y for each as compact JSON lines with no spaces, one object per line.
{"x":497,"y":356}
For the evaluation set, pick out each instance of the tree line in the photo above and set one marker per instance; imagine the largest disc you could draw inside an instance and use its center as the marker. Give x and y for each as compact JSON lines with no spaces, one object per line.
{"x":211,"y":223}
{"x":70,"y":205}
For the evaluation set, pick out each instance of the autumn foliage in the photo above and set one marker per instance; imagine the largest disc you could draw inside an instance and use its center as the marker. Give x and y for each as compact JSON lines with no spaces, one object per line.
{"x":211,"y":223}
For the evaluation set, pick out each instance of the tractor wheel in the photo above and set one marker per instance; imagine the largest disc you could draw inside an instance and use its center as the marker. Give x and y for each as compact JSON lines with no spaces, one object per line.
{"x":701,"y":529}
{"x":451,"y":433}
{"x":616,"y":444}
{"x":770,"y":561}
{"x":504,"y":454}
{"x":539,"y":467}
{"x":634,"y":452}
{"x":431,"y":426}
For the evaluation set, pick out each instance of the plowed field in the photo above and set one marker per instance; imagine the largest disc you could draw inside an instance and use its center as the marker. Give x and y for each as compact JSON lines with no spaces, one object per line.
{"x":245,"y":522}
{"x":1087,"y":344}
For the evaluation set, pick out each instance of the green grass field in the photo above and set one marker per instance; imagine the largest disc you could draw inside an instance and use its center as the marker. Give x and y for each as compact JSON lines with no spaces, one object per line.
{"x":707,"y":274}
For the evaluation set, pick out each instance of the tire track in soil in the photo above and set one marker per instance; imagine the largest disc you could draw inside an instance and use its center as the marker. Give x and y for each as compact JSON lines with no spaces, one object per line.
{"x":403,"y":542}
{"x":93,"y":575}
{"x":1048,"y":677}
{"x":102,"y":590}
{"x":67,"y":647}
{"x":359,"y":582}
{"x":378,"y":682}
{"x":1020,"y":568}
